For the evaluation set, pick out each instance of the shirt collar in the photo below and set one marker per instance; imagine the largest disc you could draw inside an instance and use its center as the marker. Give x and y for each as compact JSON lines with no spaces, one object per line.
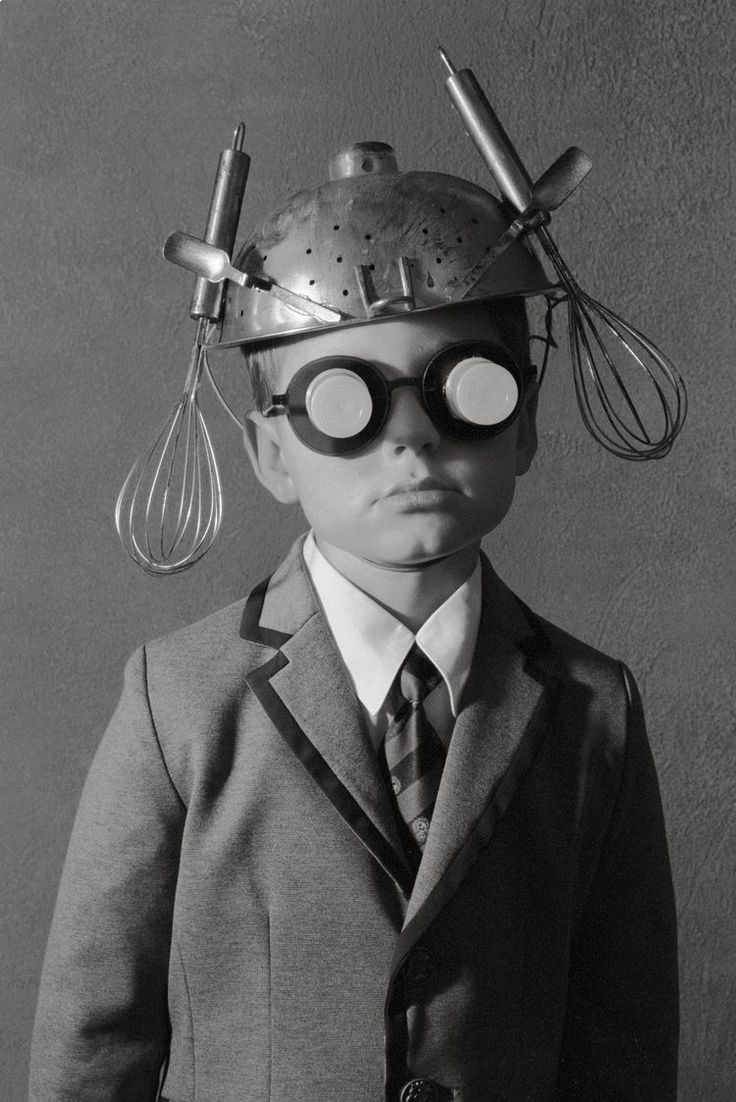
{"x":373,"y":643}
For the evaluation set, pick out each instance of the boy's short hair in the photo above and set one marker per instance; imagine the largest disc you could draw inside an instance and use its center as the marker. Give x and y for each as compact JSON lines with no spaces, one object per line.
{"x":263,"y":367}
{"x":510,"y":314}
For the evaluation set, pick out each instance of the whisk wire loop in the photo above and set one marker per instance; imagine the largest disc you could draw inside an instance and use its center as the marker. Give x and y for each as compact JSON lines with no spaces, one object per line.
{"x":169,"y":510}
{"x":621,"y":423}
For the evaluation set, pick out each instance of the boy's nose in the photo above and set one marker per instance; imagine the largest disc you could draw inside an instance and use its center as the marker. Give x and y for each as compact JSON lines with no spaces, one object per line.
{"x":408,"y":424}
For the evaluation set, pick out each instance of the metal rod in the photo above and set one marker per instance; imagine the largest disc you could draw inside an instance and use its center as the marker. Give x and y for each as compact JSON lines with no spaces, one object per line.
{"x":490,"y":138}
{"x":222,"y":222}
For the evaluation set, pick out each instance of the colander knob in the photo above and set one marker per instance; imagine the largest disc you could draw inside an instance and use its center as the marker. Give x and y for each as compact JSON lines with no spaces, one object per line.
{"x":363,"y":159}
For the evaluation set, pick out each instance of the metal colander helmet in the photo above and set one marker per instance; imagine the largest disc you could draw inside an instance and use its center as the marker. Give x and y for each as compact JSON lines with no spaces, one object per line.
{"x":372,"y":242}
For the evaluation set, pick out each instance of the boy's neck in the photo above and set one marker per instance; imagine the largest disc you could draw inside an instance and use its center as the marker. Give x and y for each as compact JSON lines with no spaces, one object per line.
{"x":411,"y":593}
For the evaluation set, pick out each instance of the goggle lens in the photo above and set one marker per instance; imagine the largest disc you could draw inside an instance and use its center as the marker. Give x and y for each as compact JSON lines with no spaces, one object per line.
{"x":338,"y":403}
{"x":481,"y":392}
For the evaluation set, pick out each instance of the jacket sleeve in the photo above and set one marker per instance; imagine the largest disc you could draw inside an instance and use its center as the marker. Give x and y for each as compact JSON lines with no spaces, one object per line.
{"x":102,"y":1028}
{"x":621,"y":1031}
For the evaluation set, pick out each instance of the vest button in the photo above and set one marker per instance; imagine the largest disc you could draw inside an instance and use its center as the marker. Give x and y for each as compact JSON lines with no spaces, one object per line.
{"x":418,"y":1090}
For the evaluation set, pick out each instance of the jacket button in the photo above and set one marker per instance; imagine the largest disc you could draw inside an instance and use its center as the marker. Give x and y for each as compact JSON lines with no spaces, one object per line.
{"x":418,"y":967}
{"x":418,"y":1090}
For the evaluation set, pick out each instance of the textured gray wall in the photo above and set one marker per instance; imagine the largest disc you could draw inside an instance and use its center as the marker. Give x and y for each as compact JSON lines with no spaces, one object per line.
{"x":112,"y":113}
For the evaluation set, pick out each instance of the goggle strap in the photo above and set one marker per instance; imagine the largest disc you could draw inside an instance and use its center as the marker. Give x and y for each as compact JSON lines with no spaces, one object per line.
{"x":276,"y":406}
{"x":548,"y":338}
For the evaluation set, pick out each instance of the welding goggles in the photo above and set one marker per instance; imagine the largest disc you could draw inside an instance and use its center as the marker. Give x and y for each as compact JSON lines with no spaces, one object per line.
{"x":338,"y":405}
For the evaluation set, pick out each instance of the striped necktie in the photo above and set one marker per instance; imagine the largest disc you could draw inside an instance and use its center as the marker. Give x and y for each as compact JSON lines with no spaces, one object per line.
{"x":414,"y":754}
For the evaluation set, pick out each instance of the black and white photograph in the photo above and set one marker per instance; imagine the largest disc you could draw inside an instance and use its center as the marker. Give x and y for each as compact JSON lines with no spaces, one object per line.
{"x":369,"y":513}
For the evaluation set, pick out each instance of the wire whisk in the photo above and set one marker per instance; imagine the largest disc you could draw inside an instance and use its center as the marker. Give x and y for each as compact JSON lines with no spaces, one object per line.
{"x":631,"y":398}
{"x":169,"y":510}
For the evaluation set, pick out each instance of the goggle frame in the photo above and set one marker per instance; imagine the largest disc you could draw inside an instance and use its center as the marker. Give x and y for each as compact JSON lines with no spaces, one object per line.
{"x":431,"y":383}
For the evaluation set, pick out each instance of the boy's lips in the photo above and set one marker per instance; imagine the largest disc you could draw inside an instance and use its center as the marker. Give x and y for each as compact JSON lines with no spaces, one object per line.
{"x":413,"y":486}
{"x":421,"y":494}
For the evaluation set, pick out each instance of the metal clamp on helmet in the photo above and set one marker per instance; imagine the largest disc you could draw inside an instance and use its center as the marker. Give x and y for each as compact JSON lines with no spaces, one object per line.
{"x":339,"y":405}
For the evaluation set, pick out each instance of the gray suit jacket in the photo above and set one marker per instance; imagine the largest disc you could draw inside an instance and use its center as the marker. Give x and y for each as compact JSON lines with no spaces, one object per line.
{"x":236,"y":893}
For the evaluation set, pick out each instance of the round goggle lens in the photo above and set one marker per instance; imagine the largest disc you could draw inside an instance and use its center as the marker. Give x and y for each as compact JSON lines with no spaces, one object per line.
{"x":481,"y":392}
{"x":338,"y":403}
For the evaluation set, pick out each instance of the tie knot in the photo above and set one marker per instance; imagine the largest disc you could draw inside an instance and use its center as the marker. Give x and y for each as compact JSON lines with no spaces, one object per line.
{"x":418,"y":676}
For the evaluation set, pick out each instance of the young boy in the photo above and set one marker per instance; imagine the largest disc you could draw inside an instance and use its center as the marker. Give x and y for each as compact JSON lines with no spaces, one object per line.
{"x":378,"y":831}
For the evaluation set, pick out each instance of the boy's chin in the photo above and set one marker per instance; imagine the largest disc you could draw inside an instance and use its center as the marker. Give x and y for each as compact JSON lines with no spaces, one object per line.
{"x":404,"y":554}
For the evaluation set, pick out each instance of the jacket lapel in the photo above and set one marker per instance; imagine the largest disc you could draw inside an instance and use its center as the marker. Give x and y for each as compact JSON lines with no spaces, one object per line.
{"x":496,"y":736}
{"x":306,"y":692}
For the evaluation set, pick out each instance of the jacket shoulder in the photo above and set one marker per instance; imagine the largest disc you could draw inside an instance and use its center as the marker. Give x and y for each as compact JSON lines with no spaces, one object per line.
{"x":211,"y":639}
{"x":546,"y":646}
{"x":209,"y":656}
{"x":576,"y":662}
{"x":196,"y":683}
{"x":597,"y":701}
{"x":572,"y":651}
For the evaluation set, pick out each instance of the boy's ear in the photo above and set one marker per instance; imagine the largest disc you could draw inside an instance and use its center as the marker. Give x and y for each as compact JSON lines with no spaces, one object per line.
{"x":526,"y":438}
{"x":263,"y":447}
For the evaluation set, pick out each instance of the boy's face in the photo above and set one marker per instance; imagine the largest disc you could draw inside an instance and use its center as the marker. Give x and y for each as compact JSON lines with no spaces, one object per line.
{"x":413,"y":495}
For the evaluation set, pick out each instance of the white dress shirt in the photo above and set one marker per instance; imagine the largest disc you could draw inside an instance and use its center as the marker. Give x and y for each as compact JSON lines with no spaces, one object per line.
{"x":373,"y":643}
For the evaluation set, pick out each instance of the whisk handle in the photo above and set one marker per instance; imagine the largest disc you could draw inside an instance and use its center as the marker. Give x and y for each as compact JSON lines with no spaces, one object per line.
{"x":222,"y":223}
{"x":490,"y":138}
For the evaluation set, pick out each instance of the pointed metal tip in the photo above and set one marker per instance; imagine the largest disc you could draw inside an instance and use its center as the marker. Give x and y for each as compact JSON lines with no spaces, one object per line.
{"x":238,"y":137}
{"x":450,"y":67}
